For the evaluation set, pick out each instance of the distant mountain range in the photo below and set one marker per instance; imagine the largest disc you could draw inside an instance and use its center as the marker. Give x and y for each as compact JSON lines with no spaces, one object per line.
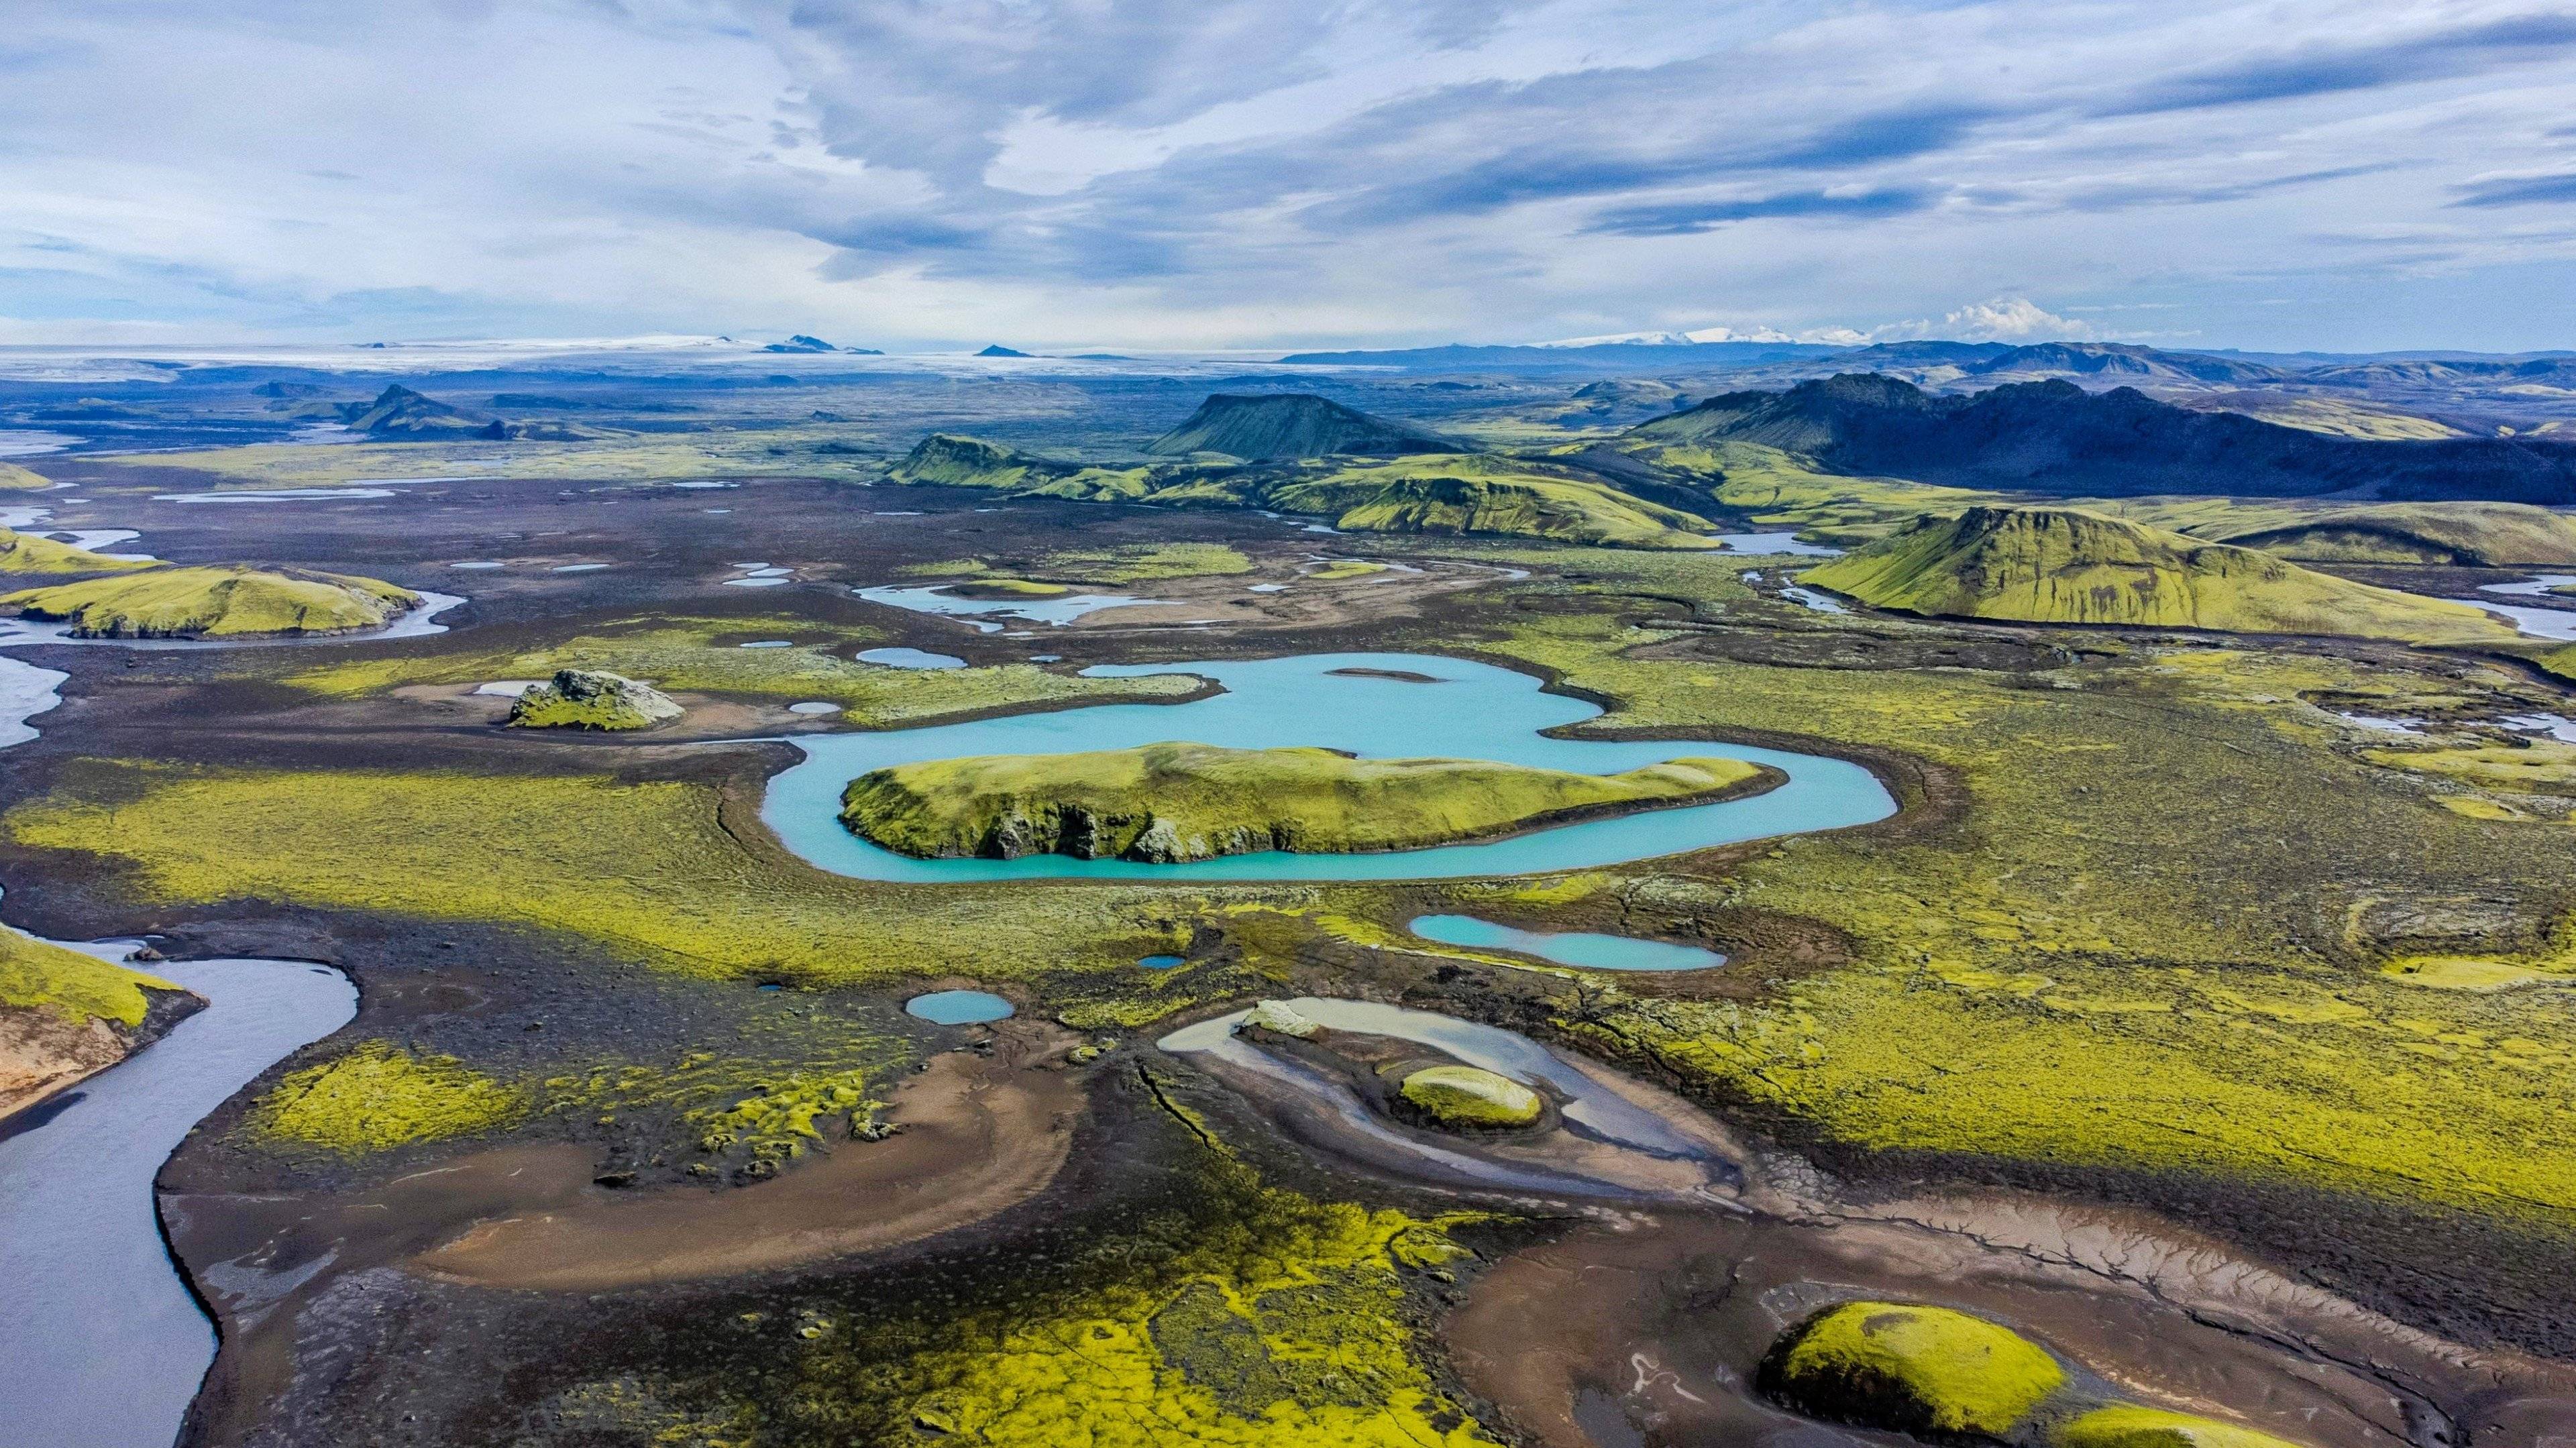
{"x":2056,"y":438}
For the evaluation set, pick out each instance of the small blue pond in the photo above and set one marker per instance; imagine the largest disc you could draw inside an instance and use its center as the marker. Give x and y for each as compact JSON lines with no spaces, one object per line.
{"x":958,"y":1007}
{"x":1160,"y":962}
{"x":910,"y":659}
{"x":1576,"y":948}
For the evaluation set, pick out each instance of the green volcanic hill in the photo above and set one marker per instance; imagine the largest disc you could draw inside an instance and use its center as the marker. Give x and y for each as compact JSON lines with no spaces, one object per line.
{"x":2068,"y":566}
{"x":400,"y":412}
{"x":1261,"y":428}
{"x":2055,"y":438}
{"x":1177,"y":801}
{"x":2472,"y":535}
{"x":1417,"y":493}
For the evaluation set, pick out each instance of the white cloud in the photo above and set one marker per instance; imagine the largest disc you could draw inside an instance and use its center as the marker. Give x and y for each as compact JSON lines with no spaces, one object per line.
{"x":1230,"y":173}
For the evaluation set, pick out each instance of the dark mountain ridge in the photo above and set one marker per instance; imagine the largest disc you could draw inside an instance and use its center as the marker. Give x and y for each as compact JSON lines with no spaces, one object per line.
{"x":2054,"y":437}
{"x":1262,"y":427}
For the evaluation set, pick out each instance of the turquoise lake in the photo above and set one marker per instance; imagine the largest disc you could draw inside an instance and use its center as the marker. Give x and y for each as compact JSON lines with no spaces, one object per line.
{"x":1466,"y":711}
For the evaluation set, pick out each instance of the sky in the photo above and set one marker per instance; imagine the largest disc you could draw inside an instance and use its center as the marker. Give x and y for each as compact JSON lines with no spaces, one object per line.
{"x":1258,"y":174}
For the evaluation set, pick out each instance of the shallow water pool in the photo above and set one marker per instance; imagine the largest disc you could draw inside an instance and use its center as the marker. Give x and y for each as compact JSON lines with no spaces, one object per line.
{"x":1582,"y":949}
{"x":959,"y":1007}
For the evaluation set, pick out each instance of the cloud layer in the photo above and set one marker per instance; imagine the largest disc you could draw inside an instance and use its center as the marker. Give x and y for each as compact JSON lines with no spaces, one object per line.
{"x":1222,"y":173}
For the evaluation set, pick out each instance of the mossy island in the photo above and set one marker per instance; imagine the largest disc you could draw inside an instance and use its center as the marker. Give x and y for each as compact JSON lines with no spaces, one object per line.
{"x":1471,"y":1098}
{"x":216,"y":603}
{"x":1171,"y":802}
{"x":591,"y":699}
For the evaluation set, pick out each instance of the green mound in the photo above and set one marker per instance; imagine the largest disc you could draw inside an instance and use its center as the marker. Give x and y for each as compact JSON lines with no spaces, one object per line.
{"x":2129,"y":1426}
{"x":232,"y":602}
{"x":27,"y":553}
{"x":1430,"y":492}
{"x":1177,"y":801}
{"x":40,"y":975}
{"x":2471,"y":535}
{"x":590,"y":699}
{"x":1467,"y":1096}
{"x":14,"y":478}
{"x":1291,"y":425}
{"x":1908,"y":1369}
{"x":2066,"y":565}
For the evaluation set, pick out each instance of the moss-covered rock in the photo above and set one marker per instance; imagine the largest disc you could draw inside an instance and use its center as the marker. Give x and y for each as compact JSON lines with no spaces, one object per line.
{"x":1177,"y":801}
{"x":27,"y":553}
{"x":1469,"y":1096}
{"x":1904,"y":1368}
{"x":2127,"y":1425}
{"x":65,"y":1014}
{"x":225,"y":602}
{"x":590,"y":699}
{"x":1279,"y":1018}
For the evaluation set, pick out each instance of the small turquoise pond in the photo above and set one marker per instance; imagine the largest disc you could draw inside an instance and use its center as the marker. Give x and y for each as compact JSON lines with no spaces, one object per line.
{"x":1576,"y":948}
{"x":1485,"y":712}
{"x":1160,"y":962}
{"x":958,"y":1007}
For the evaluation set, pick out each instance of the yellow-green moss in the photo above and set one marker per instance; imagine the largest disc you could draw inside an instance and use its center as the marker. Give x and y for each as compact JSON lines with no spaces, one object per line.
{"x":1176,"y":801}
{"x":2129,"y":1426}
{"x":1470,"y":1096}
{"x":1144,"y":563}
{"x":40,"y":975}
{"x":14,"y":478}
{"x":1912,"y":1369}
{"x":230,"y":602}
{"x":1345,"y":568}
{"x":27,"y":553}
{"x":381,"y":1095}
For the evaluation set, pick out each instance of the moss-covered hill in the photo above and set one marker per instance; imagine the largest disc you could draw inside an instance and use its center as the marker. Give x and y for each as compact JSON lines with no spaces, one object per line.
{"x":27,"y":553}
{"x":2069,"y":566}
{"x":1443,"y":493}
{"x":14,"y":478}
{"x":2475,"y":535}
{"x":232,"y":602}
{"x":1178,"y":801}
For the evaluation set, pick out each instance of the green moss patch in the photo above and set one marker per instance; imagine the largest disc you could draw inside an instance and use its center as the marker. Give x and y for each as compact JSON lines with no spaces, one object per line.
{"x":1911,"y":1369}
{"x":231,"y":602}
{"x":1468,"y":1096}
{"x":381,"y":1095}
{"x":1176,"y":801}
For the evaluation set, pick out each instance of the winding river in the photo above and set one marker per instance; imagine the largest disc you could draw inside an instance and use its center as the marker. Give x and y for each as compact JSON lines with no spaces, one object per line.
{"x":1383,"y":706}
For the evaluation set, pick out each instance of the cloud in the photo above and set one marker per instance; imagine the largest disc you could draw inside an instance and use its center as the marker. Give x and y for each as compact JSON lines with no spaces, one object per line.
{"x":2517,"y":190}
{"x":1229,"y":173}
{"x":1683,"y":217}
{"x":2003,"y":319}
